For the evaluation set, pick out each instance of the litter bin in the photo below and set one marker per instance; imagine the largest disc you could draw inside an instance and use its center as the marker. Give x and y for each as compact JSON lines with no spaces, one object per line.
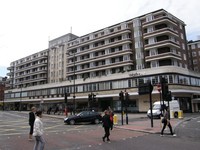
{"x":180,"y":114}
{"x":115,"y":120}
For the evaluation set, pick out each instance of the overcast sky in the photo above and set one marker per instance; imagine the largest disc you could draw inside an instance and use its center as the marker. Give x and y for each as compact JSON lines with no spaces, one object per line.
{"x":27,"y":25}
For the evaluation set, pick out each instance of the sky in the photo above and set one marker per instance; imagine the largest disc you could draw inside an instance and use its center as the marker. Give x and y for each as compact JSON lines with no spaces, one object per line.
{"x":26,"y":26}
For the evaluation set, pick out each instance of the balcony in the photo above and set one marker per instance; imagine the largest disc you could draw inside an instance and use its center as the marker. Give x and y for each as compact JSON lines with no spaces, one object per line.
{"x":161,"y":56}
{"x":161,"y":43}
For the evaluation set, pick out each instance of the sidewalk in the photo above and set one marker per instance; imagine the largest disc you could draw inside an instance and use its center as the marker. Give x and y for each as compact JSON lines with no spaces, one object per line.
{"x":145,"y":125}
{"x":136,"y":122}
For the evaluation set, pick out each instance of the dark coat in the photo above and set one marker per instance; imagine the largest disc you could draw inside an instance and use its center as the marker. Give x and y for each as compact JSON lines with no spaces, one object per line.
{"x":106,"y":121}
{"x":31,"y":118}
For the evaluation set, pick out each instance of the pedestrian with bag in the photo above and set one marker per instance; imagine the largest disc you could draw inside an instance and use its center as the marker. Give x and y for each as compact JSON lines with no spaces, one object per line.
{"x":111,"y":116}
{"x":106,"y":125}
{"x":31,"y":121}
{"x":166,"y":122}
{"x":38,"y":132}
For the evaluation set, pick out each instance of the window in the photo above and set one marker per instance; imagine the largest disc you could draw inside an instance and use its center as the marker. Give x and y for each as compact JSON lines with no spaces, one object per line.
{"x":136,"y":22}
{"x":138,"y":55}
{"x":154,"y":64}
{"x":151,"y":40}
{"x":193,"y":46}
{"x":139,"y":66}
{"x":150,"y":29}
{"x":184,"y":56}
{"x":153,"y":52}
{"x":138,"y":44}
{"x":149,"y":17}
{"x":182,"y":36}
{"x":137,"y":34}
{"x":183,"y":46}
{"x":195,"y":61}
{"x":194,"y":54}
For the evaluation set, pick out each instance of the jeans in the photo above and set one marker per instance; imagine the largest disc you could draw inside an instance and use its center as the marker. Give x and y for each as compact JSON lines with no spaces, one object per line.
{"x":107,"y":132}
{"x":39,"y":143}
{"x":164,"y":126}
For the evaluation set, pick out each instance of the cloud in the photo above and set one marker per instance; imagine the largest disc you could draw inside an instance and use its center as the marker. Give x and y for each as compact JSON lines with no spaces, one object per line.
{"x":26,"y":25}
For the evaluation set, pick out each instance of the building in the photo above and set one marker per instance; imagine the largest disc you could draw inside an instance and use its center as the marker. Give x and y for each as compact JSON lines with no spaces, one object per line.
{"x":194,"y":55}
{"x":3,"y":86}
{"x":57,"y":58}
{"x":29,"y":71}
{"x":114,"y":59}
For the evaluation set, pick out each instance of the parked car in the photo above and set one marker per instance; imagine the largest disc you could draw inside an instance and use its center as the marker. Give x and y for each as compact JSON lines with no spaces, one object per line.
{"x":84,"y":116}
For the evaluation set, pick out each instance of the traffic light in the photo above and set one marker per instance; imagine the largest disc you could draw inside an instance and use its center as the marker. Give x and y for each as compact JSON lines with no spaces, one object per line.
{"x":121,"y":95}
{"x":169,"y":96}
{"x":89,"y":97}
{"x":66,"y":95}
{"x":165,"y":88}
{"x":126,"y":98}
{"x":93,"y":97}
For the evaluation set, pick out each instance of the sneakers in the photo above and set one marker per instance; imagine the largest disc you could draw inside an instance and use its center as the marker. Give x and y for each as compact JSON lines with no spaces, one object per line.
{"x":174,"y":135}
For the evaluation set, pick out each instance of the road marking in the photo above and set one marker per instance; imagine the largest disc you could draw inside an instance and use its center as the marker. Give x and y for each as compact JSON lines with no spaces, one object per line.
{"x":52,"y":127}
{"x":11,"y":134}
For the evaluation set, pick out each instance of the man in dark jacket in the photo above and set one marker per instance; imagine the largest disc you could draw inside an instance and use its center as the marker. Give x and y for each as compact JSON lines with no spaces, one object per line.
{"x":107,"y":125}
{"x":31,"y":121}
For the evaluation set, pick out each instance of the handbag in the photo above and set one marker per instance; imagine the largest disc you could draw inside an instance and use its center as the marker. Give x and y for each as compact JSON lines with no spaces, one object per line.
{"x":163,"y":120}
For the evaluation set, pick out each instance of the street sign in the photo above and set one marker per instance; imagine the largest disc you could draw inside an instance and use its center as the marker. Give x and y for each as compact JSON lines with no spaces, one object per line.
{"x":145,"y":88}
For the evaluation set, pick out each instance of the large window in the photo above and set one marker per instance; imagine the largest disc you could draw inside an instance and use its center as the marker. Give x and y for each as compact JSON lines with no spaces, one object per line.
{"x":131,"y":82}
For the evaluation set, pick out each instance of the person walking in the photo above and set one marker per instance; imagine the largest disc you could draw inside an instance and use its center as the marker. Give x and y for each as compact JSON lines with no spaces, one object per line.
{"x":166,"y":122}
{"x":106,"y":125}
{"x":111,"y":116}
{"x":38,"y":132}
{"x":31,"y":121}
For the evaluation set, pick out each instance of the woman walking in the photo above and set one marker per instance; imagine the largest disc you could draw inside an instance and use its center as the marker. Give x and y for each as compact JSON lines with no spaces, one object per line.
{"x":38,"y":132}
{"x":107,"y":125}
{"x":166,"y":122}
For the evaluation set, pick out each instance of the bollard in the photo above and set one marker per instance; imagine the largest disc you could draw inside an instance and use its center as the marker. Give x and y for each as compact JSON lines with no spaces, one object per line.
{"x":180,"y":114}
{"x":171,"y":114}
{"x":115,"y":121}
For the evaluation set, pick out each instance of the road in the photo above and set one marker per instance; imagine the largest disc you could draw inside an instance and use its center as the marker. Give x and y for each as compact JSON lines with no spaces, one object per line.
{"x":14,"y":136}
{"x":190,"y":129}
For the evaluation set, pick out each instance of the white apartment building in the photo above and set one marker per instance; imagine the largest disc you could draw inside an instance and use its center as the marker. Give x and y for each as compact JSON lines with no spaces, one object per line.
{"x":116,"y":58}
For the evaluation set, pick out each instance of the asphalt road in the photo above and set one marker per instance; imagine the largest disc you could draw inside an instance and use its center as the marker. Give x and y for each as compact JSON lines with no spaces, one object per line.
{"x":14,"y":131}
{"x":190,"y":128}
